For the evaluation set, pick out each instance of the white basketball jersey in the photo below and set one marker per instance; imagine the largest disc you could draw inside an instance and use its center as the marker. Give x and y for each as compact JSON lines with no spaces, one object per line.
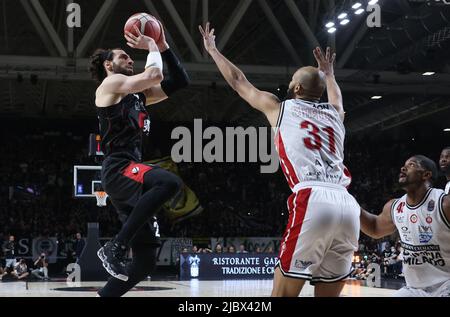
{"x":447,"y":188}
{"x":425,"y":234}
{"x":310,"y":143}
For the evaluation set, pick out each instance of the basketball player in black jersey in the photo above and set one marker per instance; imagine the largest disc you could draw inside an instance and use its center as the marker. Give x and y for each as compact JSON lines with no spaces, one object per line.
{"x":136,"y":190}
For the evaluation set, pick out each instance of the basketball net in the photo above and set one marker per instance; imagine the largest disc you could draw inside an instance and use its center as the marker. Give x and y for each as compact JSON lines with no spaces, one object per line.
{"x":101,"y":197}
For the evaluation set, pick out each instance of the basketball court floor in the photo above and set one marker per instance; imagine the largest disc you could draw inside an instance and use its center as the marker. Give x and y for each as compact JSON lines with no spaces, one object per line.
{"x":193,"y":288}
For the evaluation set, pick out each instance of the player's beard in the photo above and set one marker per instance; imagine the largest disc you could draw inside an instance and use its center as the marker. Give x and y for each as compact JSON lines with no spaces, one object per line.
{"x":404,"y":181}
{"x":410,"y":181}
{"x":122,"y":70}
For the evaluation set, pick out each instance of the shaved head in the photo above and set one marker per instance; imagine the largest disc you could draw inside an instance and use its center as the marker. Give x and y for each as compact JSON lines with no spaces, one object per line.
{"x":307,"y":82}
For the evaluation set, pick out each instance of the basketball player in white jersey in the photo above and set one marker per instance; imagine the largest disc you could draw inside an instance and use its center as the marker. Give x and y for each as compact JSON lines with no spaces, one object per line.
{"x":323,"y":228}
{"x":444,"y":164}
{"x":422,"y":218}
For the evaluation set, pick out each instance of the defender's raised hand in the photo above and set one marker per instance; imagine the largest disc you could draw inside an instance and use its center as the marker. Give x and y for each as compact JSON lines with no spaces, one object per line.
{"x":325,"y":63}
{"x":209,"y":39}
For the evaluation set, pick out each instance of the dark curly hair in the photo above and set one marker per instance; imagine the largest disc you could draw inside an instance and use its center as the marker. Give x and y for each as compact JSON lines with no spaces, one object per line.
{"x":96,"y":68}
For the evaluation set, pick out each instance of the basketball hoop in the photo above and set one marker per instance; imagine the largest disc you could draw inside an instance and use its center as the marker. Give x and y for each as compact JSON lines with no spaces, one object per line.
{"x":101,"y":197}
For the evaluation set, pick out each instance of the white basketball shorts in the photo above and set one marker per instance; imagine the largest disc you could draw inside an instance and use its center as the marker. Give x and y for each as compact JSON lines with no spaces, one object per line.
{"x":322,"y":233}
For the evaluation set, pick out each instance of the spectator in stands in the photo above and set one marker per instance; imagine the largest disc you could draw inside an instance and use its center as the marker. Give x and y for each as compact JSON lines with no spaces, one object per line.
{"x":207,"y":249}
{"x":195,"y":249}
{"x":269,"y":249}
{"x":22,"y":270}
{"x":360,"y":269}
{"x":374,"y":257}
{"x":9,"y":274}
{"x":386,"y":257}
{"x":231,"y":249}
{"x":363,"y":272}
{"x":41,"y":268}
{"x":218,"y":248}
{"x":10,"y":251}
{"x":398,"y":261}
{"x":258,"y":250}
{"x":390,"y":259}
{"x":78,"y":246}
{"x":242,"y":249}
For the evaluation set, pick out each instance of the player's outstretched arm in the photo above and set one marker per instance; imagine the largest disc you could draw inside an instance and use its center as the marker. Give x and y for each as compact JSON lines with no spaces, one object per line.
{"x":263,"y":101}
{"x":177,"y":78}
{"x":378,"y":226}
{"x":326,"y":65}
{"x":122,"y":84}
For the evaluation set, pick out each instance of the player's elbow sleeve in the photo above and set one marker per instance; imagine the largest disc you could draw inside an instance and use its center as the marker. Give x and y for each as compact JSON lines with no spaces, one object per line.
{"x":177,"y":82}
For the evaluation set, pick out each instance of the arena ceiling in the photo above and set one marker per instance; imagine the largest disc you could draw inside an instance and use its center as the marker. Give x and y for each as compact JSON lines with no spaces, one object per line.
{"x":43,"y":63}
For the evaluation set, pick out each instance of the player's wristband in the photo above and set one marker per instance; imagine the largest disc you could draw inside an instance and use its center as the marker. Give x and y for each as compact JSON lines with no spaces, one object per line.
{"x":154,"y":60}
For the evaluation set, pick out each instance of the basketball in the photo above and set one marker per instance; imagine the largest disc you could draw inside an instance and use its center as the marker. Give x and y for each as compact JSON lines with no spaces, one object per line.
{"x":146,"y":23}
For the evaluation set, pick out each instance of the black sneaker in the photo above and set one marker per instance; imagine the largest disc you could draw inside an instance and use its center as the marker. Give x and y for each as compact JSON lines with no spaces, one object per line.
{"x":112,"y":255}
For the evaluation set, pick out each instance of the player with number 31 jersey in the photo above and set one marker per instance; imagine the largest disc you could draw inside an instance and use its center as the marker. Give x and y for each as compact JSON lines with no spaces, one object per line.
{"x":319,"y":157}
{"x":323,"y":228}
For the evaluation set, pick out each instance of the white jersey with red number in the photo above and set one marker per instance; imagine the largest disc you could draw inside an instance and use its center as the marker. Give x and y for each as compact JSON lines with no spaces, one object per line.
{"x":310,"y":143}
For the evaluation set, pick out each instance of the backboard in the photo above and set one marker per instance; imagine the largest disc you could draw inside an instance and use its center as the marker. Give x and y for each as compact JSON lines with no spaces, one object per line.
{"x":86,"y":180}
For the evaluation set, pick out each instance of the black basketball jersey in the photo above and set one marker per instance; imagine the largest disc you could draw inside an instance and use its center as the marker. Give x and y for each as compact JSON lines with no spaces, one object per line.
{"x":122,"y":127}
